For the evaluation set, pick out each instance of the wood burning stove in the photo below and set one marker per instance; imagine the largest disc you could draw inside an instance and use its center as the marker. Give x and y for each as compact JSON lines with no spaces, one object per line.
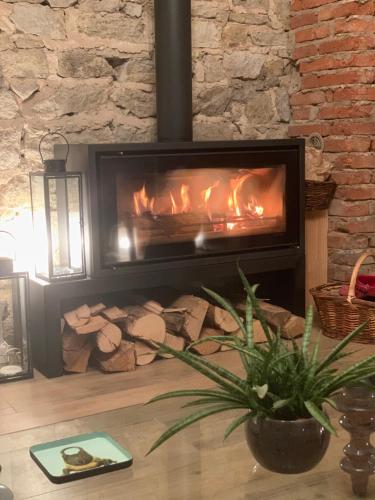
{"x":179,"y":213}
{"x":149,"y":203}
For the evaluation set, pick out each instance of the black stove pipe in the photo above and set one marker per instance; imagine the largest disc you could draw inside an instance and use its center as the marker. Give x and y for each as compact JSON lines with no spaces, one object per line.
{"x":173,"y":58}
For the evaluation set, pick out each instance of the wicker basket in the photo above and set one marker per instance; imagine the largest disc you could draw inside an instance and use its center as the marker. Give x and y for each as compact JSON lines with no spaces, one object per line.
{"x":318,"y":194}
{"x":341,"y":315}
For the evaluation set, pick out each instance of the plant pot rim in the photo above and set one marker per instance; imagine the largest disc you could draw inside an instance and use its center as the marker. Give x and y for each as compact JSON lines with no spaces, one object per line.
{"x":297,"y":420}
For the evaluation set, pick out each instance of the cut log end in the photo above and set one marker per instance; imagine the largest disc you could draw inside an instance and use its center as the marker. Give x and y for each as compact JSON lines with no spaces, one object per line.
{"x":121,"y":360}
{"x":208,"y":347}
{"x":221,"y":319}
{"x":108,"y":339}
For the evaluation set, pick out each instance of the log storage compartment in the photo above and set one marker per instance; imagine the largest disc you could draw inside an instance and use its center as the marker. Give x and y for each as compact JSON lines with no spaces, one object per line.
{"x":119,"y":339}
{"x":179,"y":215}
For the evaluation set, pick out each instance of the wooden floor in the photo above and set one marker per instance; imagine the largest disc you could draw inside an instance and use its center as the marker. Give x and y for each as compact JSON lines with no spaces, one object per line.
{"x":196,"y":464}
{"x":40,"y":401}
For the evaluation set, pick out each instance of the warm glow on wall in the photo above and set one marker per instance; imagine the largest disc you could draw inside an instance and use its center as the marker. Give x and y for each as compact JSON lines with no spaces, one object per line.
{"x":22,"y":249}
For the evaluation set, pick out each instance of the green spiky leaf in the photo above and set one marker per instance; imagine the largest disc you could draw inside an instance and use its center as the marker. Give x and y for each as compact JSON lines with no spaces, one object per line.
{"x":320,"y":417}
{"x":236,"y":423}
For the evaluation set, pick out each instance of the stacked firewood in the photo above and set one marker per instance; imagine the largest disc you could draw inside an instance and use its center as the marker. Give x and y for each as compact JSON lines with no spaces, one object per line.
{"x":118,"y":339}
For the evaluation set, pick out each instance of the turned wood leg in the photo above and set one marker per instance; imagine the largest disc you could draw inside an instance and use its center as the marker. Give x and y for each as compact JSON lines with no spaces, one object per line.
{"x":358,"y":406}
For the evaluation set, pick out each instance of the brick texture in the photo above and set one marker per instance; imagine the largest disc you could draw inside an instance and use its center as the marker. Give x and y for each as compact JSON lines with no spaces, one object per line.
{"x":334,"y":42}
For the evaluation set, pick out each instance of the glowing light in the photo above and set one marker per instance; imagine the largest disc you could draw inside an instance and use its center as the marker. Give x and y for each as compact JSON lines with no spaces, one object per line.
{"x":174,"y":206}
{"x":230,"y":202}
{"x":141,"y":201}
{"x":259,"y":210}
{"x":199,"y":240}
{"x":22,"y":249}
{"x":186,"y":206}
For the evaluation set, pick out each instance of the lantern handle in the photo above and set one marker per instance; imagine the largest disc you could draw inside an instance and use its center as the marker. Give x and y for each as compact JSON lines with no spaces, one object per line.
{"x":54,"y":133}
{"x":14,"y":239}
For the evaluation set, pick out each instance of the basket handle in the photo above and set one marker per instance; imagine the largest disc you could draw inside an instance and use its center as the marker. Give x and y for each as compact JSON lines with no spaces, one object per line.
{"x":353,"y":279}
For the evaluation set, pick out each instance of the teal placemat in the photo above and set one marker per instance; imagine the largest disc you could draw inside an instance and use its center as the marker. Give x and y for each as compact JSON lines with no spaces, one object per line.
{"x":80,"y":456}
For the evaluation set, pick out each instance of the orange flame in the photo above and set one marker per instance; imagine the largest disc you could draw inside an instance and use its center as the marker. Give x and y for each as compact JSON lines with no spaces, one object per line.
{"x":184,"y":192}
{"x":142,"y":203}
{"x":230,"y":202}
{"x":174,"y":206}
{"x":206,"y":193}
{"x":181,"y":197}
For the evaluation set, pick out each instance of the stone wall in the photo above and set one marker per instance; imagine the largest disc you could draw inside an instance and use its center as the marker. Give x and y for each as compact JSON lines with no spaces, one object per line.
{"x":335,"y":42}
{"x":85,"y":68}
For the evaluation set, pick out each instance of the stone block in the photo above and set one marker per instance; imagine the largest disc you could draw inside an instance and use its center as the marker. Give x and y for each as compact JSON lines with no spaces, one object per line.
{"x":282,"y":104}
{"x":260,"y":108}
{"x":213,"y":68}
{"x":205,"y":33}
{"x":5,"y":42}
{"x":133,"y":9}
{"x":243,"y":64}
{"x":269,"y":38}
{"x":112,"y":25}
{"x":235,"y":35}
{"x":8,"y":105}
{"x":213,"y":101}
{"x":23,"y":41}
{"x":10,"y":144}
{"x":101,"y":5}
{"x":24,"y":87}
{"x":67,"y":97}
{"x":31,"y":63}
{"x":15,"y":194}
{"x":39,"y":20}
{"x":138,"y":102}
{"x":137,"y":70}
{"x":211,"y":129}
{"x":80,"y":63}
{"x":62,"y":4}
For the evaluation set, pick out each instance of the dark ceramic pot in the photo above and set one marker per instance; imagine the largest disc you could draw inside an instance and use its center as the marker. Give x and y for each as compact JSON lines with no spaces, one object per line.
{"x":287,"y":446}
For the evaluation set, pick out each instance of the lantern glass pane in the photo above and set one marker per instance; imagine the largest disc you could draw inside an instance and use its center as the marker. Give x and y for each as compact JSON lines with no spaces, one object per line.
{"x":14,"y":343}
{"x":39,"y":224}
{"x":65,"y":220}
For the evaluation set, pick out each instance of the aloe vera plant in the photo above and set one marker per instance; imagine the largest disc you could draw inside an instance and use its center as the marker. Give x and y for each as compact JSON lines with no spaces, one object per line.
{"x":282,"y":379}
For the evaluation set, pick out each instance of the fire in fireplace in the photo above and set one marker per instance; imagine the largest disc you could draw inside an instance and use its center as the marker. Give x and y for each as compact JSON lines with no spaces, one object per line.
{"x":197,"y":206}
{"x":157,"y":202}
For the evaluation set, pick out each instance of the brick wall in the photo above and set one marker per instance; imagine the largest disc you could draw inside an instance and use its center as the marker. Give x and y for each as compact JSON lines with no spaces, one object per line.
{"x":334,"y":52}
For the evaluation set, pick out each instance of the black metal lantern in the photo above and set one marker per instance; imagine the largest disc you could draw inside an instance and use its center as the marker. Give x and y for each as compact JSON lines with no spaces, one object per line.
{"x":56,"y":198}
{"x":15,"y":362}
